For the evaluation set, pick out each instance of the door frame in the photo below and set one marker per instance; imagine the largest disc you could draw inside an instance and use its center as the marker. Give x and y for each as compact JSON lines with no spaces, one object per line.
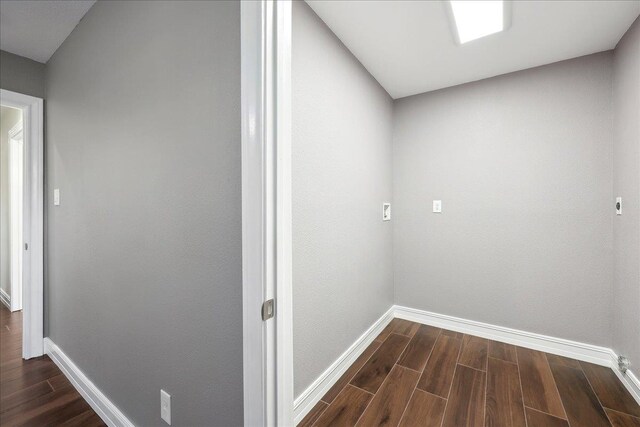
{"x":266,"y":211}
{"x":16,"y":136}
{"x":33,"y":220}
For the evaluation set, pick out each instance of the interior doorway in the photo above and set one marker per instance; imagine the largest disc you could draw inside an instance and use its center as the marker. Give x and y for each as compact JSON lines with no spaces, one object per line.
{"x":22,"y":182}
{"x":11,"y":210}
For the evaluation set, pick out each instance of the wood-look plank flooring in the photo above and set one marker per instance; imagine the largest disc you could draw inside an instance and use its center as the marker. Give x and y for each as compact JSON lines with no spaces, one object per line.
{"x":35,"y":392}
{"x":415,"y":375}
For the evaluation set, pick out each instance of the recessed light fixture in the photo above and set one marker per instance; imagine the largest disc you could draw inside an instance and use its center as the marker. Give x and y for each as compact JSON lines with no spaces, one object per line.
{"x":477,"y":18}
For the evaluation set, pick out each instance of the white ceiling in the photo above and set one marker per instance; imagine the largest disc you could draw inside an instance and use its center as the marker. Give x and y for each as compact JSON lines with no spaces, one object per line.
{"x":408,"y":46}
{"x":35,"y":29}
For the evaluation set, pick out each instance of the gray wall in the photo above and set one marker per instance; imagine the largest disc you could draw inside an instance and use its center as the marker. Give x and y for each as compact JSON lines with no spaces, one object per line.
{"x":342,"y":250}
{"x":144,"y":253}
{"x":8,"y":119}
{"x":626,"y":157}
{"x":523,"y":166}
{"x":21,"y":75}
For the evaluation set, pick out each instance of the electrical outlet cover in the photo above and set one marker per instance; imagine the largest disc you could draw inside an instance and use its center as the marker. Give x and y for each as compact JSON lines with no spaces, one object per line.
{"x":165,"y":406}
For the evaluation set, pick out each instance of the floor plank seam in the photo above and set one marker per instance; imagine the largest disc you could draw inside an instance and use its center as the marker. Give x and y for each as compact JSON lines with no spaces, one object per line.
{"x":361,"y":389}
{"x":526,"y":422}
{"x":385,"y":378}
{"x":595,"y":394}
{"x":411,"y":369}
{"x":429,"y":393}
{"x":407,"y":405}
{"x":455,"y":369}
{"x":318,"y":417}
{"x":496,"y":358}
{"x":471,"y":367}
{"x":416,"y":386}
{"x":620,"y":412}
{"x":486,"y":382}
{"x":370,"y":400}
{"x":558,"y":391}
{"x":546,"y":413}
{"x":356,"y":373}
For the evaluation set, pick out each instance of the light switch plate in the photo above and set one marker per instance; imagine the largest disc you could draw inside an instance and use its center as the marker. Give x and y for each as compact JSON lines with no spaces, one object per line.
{"x":386,"y":211}
{"x":165,"y":406}
{"x":56,"y":197}
{"x":618,"y":205}
{"x":437,"y":206}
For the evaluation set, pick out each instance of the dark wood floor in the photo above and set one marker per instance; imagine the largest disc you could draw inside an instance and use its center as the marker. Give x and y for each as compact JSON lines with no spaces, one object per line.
{"x":34,"y":392}
{"x":418,"y":375}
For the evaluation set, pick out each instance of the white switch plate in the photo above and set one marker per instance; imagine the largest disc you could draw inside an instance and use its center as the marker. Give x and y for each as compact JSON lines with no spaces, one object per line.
{"x":437,"y":206}
{"x":618,"y":205}
{"x":165,"y":406}
{"x":56,"y":197}
{"x":386,"y":211}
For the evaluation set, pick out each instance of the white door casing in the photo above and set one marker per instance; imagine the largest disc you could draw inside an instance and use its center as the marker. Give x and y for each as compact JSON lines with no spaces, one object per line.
{"x":33,"y":220}
{"x":266,"y":211}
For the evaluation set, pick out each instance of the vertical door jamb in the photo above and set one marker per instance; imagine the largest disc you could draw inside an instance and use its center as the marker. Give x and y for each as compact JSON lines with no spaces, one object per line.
{"x":266,"y":211}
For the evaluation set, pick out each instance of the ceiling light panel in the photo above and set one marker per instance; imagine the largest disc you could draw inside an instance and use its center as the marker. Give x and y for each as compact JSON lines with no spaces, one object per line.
{"x":476,"y":18}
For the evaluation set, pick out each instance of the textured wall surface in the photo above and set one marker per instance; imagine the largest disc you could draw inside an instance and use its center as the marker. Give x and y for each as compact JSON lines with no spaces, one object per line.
{"x":523,"y":166}
{"x":21,"y":75}
{"x":144,"y":286}
{"x":626,"y":155}
{"x":342,"y":250}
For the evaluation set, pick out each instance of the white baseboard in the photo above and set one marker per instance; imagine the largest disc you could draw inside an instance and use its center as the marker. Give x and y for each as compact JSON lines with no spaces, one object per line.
{"x":573,"y":349}
{"x":105,"y":409}
{"x":5,"y":299}
{"x":311,"y":396}
{"x":562,"y":347}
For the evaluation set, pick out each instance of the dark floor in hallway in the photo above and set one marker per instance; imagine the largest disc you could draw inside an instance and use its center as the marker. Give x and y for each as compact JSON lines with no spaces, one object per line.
{"x":418,"y":375}
{"x":34,"y":392}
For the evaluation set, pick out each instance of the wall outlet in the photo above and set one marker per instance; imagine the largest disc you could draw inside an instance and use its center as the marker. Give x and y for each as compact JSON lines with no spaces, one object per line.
{"x":437,"y":206}
{"x":386,"y":211}
{"x":56,"y":197}
{"x":618,"y":205}
{"x":165,"y":406}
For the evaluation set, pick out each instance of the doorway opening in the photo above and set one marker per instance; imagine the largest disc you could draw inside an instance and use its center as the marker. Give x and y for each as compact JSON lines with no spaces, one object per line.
{"x":11,"y":200}
{"x":22,"y":209}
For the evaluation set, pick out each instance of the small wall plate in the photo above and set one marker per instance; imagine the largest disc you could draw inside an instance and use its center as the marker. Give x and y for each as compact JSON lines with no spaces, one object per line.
{"x":386,"y":211}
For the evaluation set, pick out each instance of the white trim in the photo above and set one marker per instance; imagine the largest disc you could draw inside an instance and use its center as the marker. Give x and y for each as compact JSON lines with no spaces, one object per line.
{"x":5,"y":298}
{"x":284,"y":234}
{"x":562,"y":347}
{"x":253,"y":286}
{"x":266,"y":211}
{"x":100,"y":403}
{"x":312,"y":395}
{"x":33,"y":220}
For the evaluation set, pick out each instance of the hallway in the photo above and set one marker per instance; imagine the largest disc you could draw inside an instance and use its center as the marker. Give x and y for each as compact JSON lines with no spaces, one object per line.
{"x":34,"y":392}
